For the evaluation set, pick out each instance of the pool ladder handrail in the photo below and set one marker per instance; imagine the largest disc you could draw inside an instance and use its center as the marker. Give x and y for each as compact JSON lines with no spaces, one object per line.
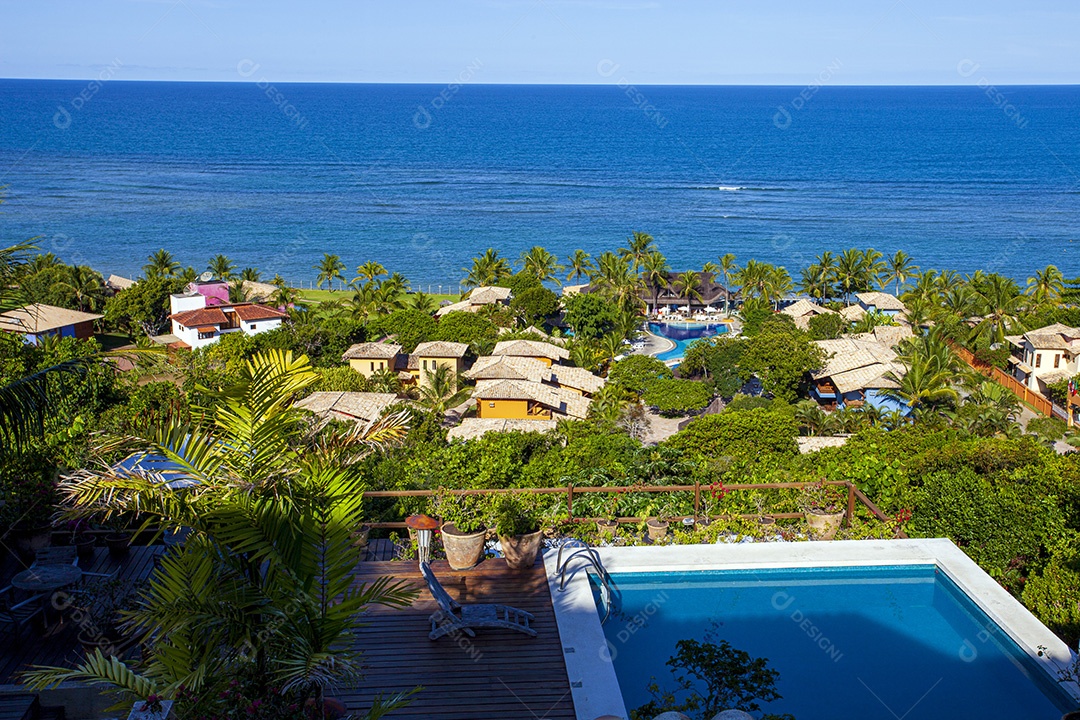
{"x":582,"y":549}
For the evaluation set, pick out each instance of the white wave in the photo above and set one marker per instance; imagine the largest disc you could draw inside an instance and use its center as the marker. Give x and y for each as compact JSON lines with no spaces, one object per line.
{"x":730,"y":188}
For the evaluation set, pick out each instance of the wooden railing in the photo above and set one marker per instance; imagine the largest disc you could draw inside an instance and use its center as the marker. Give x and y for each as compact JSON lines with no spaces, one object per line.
{"x":1036,"y":400}
{"x":854,"y":496}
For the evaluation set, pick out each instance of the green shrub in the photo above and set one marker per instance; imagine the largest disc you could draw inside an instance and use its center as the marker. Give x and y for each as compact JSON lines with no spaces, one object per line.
{"x":1053,"y":595}
{"x":514,"y":515}
{"x":745,"y":435}
{"x":672,"y":397}
{"x":637,"y":373}
{"x":827,"y":326}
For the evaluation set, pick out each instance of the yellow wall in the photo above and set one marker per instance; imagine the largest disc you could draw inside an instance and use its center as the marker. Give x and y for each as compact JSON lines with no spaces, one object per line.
{"x":367,"y":368}
{"x":456,"y":365}
{"x":508,"y":409}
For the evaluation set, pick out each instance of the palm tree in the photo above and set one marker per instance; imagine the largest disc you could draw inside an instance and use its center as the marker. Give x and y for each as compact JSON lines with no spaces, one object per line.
{"x":424,"y":303}
{"x":610,"y":347}
{"x":188,"y":274}
{"x":329,"y":268}
{"x":638,"y":247}
{"x":273,"y":503}
{"x":369,"y":271}
{"x":752,"y":278}
{"x":900,"y":269}
{"x":487,"y":269}
{"x":580,"y":264}
{"x":540,"y":263}
{"x":873,"y":267}
{"x":849,"y":271}
{"x":85,"y":285}
{"x":440,"y":391}
{"x":222,"y":267}
{"x":814,"y":282}
{"x":250,"y":274}
{"x":923,"y":384}
{"x":655,"y":271}
{"x":777,"y":285}
{"x":998,"y":301}
{"x":615,"y":277}
{"x":1046,"y":286}
{"x":161,"y":264}
{"x":687,"y":284}
{"x":728,"y":268}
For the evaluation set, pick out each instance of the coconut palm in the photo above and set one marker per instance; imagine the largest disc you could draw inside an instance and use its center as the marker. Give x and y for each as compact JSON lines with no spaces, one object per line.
{"x":161,"y":264}
{"x":369,"y":271}
{"x":542,"y":264}
{"x":265,"y":580}
{"x":250,"y":274}
{"x":580,"y":265}
{"x":850,"y":269}
{"x":997,"y":301}
{"x":615,"y":277}
{"x":424,"y":303}
{"x":222,"y":267}
{"x":85,"y":286}
{"x":655,"y":272}
{"x":899,"y":269}
{"x":441,"y":391}
{"x":777,"y":284}
{"x":922,"y":384}
{"x":611,"y":346}
{"x":638,"y":247}
{"x":188,"y":274}
{"x":752,"y":278}
{"x":687,"y":284}
{"x":728,"y":269}
{"x":329,"y":268}
{"x":810,"y":417}
{"x":487,"y":269}
{"x":1046,"y":285}
{"x":815,"y":282}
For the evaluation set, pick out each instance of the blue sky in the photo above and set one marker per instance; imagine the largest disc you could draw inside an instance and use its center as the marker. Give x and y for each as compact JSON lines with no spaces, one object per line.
{"x":786,"y":42}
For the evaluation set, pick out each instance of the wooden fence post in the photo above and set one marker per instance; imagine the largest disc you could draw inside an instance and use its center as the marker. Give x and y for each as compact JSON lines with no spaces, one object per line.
{"x":570,"y":500}
{"x":850,"y":503}
{"x":697,"y":499}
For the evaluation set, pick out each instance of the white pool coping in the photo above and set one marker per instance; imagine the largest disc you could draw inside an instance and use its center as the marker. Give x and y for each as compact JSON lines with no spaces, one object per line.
{"x":595,"y":688}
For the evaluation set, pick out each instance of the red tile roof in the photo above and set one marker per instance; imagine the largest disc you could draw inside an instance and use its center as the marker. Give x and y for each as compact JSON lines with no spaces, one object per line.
{"x":248,"y":313}
{"x":200,"y":317}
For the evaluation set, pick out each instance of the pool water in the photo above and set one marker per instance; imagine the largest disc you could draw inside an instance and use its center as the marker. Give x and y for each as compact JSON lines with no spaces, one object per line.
{"x":861,"y":643}
{"x":682,"y":334}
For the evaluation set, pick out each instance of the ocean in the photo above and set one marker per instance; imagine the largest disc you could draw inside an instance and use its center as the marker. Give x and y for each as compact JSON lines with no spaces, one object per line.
{"x":423,"y":177}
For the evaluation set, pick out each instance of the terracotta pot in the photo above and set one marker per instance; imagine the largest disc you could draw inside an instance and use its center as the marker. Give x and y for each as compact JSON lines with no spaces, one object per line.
{"x":607,"y":528}
{"x":360,"y":537}
{"x":520,"y":551}
{"x":84,"y":547}
{"x":766,"y":520}
{"x":657,"y":529}
{"x":118,"y":544}
{"x":463,"y":550}
{"x":823,"y":526}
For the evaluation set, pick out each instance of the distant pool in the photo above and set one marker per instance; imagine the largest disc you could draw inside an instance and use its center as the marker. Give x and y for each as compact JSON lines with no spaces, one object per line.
{"x":848,"y":642}
{"x":684,"y":333}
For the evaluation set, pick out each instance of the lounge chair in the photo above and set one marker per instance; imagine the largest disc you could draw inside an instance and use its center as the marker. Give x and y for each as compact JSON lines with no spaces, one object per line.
{"x":68,"y":555}
{"x":454,"y":617}
{"x":18,"y":613}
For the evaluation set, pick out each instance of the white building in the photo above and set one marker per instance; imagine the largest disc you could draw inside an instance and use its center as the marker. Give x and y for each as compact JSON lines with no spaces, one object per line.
{"x":196,"y":325}
{"x":1045,"y":356}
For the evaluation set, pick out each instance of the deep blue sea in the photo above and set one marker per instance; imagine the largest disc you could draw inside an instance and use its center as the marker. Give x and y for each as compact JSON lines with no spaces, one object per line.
{"x":422,"y":177}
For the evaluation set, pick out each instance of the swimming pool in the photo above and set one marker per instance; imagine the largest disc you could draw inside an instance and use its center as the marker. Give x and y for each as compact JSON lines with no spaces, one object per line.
{"x":850,"y":636}
{"x":684,"y":333}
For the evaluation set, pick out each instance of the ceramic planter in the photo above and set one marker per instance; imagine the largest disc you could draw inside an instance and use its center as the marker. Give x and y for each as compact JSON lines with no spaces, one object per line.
{"x":823,"y":525}
{"x":118,"y":544}
{"x":520,"y":550}
{"x":606,"y":528}
{"x":658,"y":529}
{"x":84,"y":547}
{"x":360,"y":537}
{"x":463,"y":550}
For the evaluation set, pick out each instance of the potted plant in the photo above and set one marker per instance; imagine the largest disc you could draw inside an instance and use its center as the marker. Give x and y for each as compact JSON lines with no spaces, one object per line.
{"x":79,"y":536}
{"x":763,"y":519}
{"x":102,"y":605}
{"x":655,"y":524}
{"x":608,"y":525}
{"x":362,"y":536}
{"x":519,"y":532}
{"x":823,"y":507}
{"x":463,"y":531}
{"x":29,"y":495}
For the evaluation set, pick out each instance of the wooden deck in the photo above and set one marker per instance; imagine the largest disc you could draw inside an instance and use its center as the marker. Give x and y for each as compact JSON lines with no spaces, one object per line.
{"x":499,"y":674}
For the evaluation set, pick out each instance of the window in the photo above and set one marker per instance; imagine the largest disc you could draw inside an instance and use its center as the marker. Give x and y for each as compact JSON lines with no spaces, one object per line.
{"x":1038,"y":359}
{"x":252,"y":326}
{"x":1057,"y":361}
{"x":372,"y":367}
{"x":491,"y":404}
{"x":424,"y":362}
{"x":206,"y":334}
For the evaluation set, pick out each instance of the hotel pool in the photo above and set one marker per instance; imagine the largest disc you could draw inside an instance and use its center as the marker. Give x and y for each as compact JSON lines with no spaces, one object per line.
{"x":864,"y":643}
{"x":684,"y":333}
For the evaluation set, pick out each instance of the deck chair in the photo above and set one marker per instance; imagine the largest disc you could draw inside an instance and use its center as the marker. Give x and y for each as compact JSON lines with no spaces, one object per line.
{"x":68,"y":555}
{"x":453,"y":617}
{"x":17,"y":614}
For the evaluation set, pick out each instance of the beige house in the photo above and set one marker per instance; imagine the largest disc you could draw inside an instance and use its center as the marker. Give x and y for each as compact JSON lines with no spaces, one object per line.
{"x":431,"y":355}
{"x":35,"y":322}
{"x":546,"y":353}
{"x":478,"y":298}
{"x":802,"y":310}
{"x":507,"y":367}
{"x":370,"y":358}
{"x":1045,"y":356}
{"x":855,"y":373}
{"x":527,"y":400}
{"x":362,"y":407}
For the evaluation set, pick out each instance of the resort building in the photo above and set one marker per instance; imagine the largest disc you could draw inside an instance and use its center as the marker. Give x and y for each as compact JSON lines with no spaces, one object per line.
{"x":430,"y":356}
{"x":547,"y":353}
{"x":472,"y":428}
{"x":503,"y":367}
{"x":35,"y":322}
{"x":371,"y":357}
{"x":708,"y":294}
{"x":1044,"y":356}
{"x":361,"y":407}
{"x":855,"y":374}
{"x":853,"y":313}
{"x":116,"y":283}
{"x":802,"y":310}
{"x":881,"y":302}
{"x":195,"y":325}
{"x":477,"y":299}
{"x":525,"y":400}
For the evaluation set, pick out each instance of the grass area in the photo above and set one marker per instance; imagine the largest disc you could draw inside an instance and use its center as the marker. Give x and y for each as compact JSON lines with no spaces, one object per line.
{"x":312,"y":297}
{"x":113,"y":341}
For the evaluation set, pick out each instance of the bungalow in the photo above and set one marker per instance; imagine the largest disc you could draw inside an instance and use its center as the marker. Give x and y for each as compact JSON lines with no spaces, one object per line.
{"x":35,"y":322}
{"x":881,"y":302}
{"x":371,"y":357}
{"x":855,"y":374}
{"x":195,"y":325}
{"x":477,"y":299}
{"x":472,"y":428}
{"x":802,"y":310}
{"x":116,"y":283}
{"x":1045,"y":356}
{"x":360,"y":407}
{"x":524,"y":400}
{"x":504,"y":367}
{"x":430,"y":356}
{"x":546,"y":353}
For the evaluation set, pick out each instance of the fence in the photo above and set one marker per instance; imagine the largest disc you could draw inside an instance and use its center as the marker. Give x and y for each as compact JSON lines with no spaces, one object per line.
{"x":854,"y":496}
{"x":1036,"y":400}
